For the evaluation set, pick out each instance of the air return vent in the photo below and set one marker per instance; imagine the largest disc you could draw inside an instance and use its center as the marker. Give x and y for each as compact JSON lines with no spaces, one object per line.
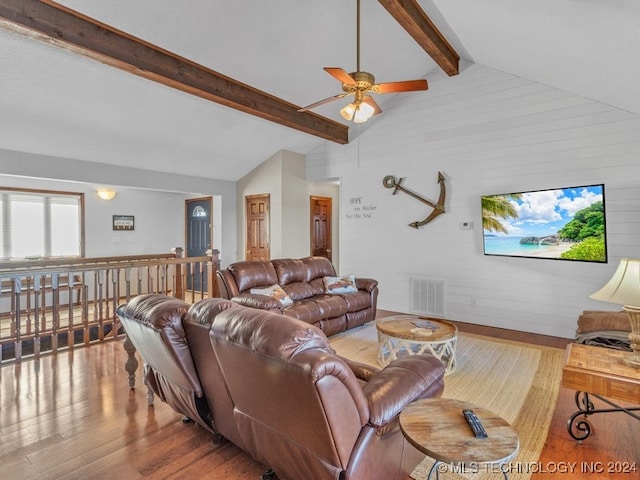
{"x":427,"y":296}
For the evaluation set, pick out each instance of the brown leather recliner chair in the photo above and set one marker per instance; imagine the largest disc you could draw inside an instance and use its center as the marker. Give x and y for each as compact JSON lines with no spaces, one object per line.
{"x":300,"y":408}
{"x":180,"y":367}
{"x":154,"y":325}
{"x":197,"y":324}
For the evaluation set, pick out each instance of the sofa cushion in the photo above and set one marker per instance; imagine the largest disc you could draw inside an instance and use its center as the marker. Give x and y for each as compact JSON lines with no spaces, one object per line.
{"x":289,"y":270}
{"x":258,"y":301}
{"x":300,"y":290}
{"x":204,"y":311}
{"x":317,"y":286}
{"x":318,"y":267}
{"x":355,"y":319}
{"x":357,"y":301}
{"x":249,"y":274}
{"x":157,"y":311}
{"x":276,"y":292}
{"x":330,"y":305}
{"x":304,"y":310}
{"x":343,"y":284}
{"x":334,"y":325}
{"x":266,"y":333}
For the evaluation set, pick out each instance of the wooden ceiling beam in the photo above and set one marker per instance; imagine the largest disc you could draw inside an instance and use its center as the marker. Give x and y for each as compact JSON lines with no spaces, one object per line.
{"x":415,"y":21}
{"x":54,"y":23}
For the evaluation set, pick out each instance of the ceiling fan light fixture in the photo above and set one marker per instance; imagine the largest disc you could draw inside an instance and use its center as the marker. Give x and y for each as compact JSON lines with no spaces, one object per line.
{"x":363,"y":112}
{"x":348,"y":111}
{"x":360,"y":84}
{"x":358,"y":112}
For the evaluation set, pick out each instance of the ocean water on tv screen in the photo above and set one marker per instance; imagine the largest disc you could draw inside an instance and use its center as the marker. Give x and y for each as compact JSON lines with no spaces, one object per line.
{"x":505,"y":245}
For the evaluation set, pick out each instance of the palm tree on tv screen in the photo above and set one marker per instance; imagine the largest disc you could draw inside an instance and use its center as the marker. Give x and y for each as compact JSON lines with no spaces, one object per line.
{"x":498,"y":207}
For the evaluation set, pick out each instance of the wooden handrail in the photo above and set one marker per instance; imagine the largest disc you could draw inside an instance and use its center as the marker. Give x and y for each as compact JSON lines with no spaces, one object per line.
{"x":12,"y":265}
{"x":88,"y":267}
{"x":48,"y":304}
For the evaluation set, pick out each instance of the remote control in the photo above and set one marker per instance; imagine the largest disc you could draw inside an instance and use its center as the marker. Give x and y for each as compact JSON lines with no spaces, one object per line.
{"x":474,"y":423}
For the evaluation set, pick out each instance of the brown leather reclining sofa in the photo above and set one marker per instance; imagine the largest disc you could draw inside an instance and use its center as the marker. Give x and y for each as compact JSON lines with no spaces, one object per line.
{"x":272,"y":385}
{"x":303,"y":280}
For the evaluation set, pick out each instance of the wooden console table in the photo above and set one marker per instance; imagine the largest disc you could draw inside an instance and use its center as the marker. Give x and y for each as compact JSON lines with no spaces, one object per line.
{"x":598,"y":372}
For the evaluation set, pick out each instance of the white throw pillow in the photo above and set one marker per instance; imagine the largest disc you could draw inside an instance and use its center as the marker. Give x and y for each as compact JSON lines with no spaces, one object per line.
{"x":343,"y":284}
{"x":274,"y":291}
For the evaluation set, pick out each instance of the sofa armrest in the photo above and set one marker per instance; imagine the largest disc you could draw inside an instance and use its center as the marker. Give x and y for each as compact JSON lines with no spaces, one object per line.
{"x":263,"y":302}
{"x":367,"y":284}
{"x":400,"y":383}
{"x":362,"y":371}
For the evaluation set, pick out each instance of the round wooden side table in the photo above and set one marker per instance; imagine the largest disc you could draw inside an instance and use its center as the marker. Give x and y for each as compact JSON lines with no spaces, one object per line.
{"x":413,"y":335}
{"x":437,"y":428}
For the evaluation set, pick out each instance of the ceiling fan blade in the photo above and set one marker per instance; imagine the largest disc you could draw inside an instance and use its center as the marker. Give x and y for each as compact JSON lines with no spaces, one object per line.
{"x":372,"y":103}
{"x":322,"y":102}
{"x":406,"y":86}
{"x":340,"y":75}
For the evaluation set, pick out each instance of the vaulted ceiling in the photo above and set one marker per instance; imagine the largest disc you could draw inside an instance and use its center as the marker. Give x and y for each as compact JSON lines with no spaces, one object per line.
{"x":58,"y":102}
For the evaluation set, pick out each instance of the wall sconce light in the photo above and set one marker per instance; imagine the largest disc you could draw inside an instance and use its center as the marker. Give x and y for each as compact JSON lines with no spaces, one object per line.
{"x":106,"y":193}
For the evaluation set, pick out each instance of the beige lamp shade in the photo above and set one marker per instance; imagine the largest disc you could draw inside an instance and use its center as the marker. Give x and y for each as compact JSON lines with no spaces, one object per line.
{"x":624,"y":286}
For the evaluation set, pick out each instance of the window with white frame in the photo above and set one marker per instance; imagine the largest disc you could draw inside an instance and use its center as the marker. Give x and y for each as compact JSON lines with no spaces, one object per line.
{"x":40,"y":224}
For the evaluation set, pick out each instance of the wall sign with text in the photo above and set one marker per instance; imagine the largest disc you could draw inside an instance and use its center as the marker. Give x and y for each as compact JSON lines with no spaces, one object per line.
{"x":358,"y":209}
{"x":123,"y":222}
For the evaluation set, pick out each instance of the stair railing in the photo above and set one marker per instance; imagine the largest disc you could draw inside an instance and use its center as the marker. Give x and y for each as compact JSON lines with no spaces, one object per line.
{"x":49,"y":305}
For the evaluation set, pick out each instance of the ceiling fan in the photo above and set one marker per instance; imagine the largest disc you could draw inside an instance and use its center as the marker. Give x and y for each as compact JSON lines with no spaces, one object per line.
{"x":360,"y":84}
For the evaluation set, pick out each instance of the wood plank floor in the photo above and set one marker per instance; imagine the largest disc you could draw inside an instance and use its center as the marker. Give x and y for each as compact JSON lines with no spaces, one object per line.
{"x":72,"y":416}
{"x":612,"y":451}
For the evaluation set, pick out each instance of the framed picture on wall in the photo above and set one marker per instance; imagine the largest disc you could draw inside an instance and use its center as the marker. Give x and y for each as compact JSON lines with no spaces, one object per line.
{"x":123,"y":222}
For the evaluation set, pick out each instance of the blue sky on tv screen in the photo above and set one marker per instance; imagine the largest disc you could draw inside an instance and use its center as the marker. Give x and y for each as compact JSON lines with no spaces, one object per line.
{"x":545,"y":212}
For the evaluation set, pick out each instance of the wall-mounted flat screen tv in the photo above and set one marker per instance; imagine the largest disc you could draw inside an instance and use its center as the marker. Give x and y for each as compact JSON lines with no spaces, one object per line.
{"x":561,"y":223}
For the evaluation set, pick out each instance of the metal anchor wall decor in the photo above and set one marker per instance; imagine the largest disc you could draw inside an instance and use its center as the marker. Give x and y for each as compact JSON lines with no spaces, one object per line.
{"x":438,"y":208}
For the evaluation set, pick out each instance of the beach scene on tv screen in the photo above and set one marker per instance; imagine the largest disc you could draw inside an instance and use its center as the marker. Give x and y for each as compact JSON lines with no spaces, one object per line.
{"x":563,"y":223}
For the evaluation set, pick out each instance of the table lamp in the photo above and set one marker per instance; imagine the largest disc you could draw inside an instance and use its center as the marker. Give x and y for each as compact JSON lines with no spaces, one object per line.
{"x":624,"y":288}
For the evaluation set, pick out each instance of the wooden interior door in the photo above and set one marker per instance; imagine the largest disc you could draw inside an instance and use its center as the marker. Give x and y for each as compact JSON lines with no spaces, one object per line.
{"x":257,"y":227}
{"x":321,"y":226}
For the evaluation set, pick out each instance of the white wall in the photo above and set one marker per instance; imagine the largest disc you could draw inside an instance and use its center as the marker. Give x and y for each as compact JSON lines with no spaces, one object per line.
{"x":488,"y":132}
{"x":295,"y":206}
{"x":155,"y":199}
{"x":282,"y":177}
{"x":266,"y":178}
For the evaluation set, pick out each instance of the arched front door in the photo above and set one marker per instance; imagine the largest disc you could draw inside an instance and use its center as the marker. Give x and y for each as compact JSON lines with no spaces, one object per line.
{"x":198,"y":238}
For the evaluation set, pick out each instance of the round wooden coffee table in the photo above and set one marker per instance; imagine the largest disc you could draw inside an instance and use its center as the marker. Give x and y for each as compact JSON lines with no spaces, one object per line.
{"x":412,"y":335}
{"x":437,"y":428}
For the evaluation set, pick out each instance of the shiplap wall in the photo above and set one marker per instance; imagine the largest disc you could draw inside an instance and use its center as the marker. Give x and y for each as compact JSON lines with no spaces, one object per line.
{"x":488,"y":132}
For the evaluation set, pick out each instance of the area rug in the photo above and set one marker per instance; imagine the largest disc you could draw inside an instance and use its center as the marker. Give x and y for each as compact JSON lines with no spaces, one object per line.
{"x":518,"y":381}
